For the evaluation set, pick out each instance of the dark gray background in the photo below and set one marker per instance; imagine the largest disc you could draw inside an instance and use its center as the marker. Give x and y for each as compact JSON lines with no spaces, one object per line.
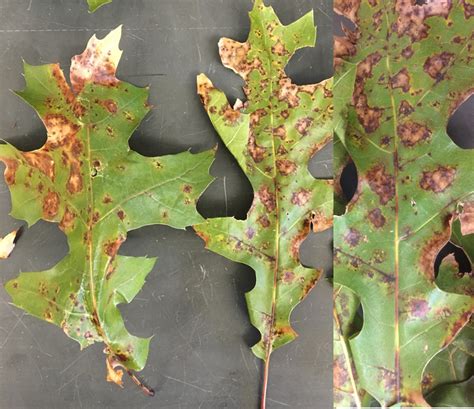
{"x":193,"y":300}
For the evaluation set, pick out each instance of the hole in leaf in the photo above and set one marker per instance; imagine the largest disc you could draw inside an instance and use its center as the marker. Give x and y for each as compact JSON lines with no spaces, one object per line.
{"x":231,"y":194}
{"x":349,"y":181}
{"x":459,"y":254}
{"x":340,"y":22}
{"x":315,"y":251}
{"x":244,"y":281}
{"x":461,"y":125}
{"x":358,"y":322}
{"x":320,"y":165}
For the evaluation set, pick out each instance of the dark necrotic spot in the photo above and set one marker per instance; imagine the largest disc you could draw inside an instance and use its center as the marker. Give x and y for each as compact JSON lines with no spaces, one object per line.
{"x":352,"y":237}
{"x":376,"y":218}
{"x":412,"y":133}
{"x":382,"y":183}
{"x":438,"y":180}
{"x":437,"y":65}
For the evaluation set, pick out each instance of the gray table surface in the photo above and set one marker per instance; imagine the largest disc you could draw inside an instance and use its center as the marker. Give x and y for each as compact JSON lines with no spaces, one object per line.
{"x":193,"y":300}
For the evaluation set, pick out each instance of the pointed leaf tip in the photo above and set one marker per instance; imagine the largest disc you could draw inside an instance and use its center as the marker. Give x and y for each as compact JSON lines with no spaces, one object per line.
{"x":94,"y":5}
{"x":7,"y":244}
{"x":98,"y":63}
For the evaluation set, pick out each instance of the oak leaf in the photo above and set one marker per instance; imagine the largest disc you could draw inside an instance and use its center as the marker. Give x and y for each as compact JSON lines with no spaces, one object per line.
{"x":87,"y":179}
{"x":273,"y":135}
{"x":96,"y":4}
{"x":411,"y":180}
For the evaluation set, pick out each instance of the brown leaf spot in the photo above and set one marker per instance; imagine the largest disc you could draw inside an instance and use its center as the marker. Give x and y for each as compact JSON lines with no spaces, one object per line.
{"x":256,"y":151}
{"x":378,"y":18}
{"x":411,"y":133}
{"x":67,"y":222}
{"x":263,"y":221}
{"x":456,"y":327}
{"x":468,"y":9}
{"x":297,"y":240}
{"x":438,"y":180}
{"x":405,"y":108}
{"x":109,"y":105}
{"x":418,"y":308}
{"x":411,"y":17}
{"x":203,"y":236}
{"x":10,"y":170}
{"x":309,"y":286}
{"x":61,"y":131}
{"x":112,"y":247}
{"x":66,"y":91}
{"x":427,"y":381}
{"x":48,"y":316}
{"x":319,"y":221}
{"x":381,"y":183}
{"x":343,"y":47}
{"x":267,"y":197}
{"x":401,"y":80}
{"x":280,"y":132}
{"x":301,"y":197}
{"x":430,"y":251}
{"x":340,"y":375}
{"x":369,"y":117}
{"x":88,"y":335}
{"x":257,"y":116}
{"x":250,"y":233}
{"x":304,"y":125}
{"x":42,"y":161}
{"x":234,"y":55}
{"x":74,"y":183}
{"x":279,"y":49}
{"x":230,"y":115}
{"x":437,"y":65}
{"x":50,"y":205}
{"x":352,"y":237}
{"x":285,"y":166}
{"x":407,"y":52}
{"x":288,"y":277}
{"x":288,"y":93}
{"x":121,"y":215}
{"x":109,"y":130}
{"x":205,"y":87}
{"x":466,"y":218}
{"x":376,"y":217}
{"x":107,"y":199}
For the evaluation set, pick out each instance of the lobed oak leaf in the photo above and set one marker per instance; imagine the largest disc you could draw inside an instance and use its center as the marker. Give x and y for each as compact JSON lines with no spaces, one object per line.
{"x":272,"y":135}
{"x":88,"y":180}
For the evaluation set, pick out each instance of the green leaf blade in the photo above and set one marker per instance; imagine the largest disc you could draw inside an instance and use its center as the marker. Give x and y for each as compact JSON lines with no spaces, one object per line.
{"x":88,"y":180}
{"x":272,"y":135}
{"x":94,"y":5}
{"x":412,"y":177}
